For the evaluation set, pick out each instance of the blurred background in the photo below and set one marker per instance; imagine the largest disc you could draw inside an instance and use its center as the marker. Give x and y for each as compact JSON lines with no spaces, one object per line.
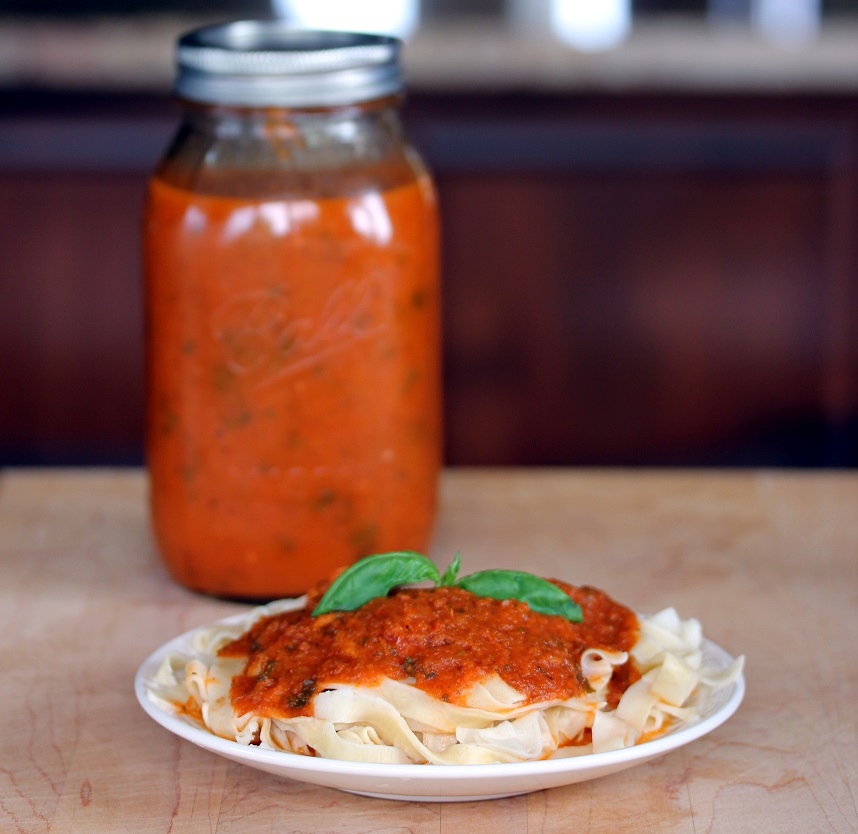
{"x":650,"y":218}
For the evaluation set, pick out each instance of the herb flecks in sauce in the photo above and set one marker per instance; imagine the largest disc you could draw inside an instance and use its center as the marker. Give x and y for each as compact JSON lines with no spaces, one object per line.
{"x":282,"y":334}
{"x":445,"y":639}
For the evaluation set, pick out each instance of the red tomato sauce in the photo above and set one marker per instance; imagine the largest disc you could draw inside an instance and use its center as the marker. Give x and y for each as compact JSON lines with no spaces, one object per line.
{"x":293,"y":376}
{"x":445,"y":639}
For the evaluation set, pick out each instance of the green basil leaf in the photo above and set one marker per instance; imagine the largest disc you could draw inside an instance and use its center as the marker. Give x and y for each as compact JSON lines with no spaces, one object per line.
{"x":540,"y":594}
{"x":449,"y":575}
{"x":373,"y":577}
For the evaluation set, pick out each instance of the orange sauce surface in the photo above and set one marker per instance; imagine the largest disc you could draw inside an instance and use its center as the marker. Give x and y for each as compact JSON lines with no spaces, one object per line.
{"x":446,"y":639}
{"x":293,"y":382}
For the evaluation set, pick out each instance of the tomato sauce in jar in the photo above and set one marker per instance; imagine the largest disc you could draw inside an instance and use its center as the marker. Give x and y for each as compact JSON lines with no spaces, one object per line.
{"x":293,"y":346}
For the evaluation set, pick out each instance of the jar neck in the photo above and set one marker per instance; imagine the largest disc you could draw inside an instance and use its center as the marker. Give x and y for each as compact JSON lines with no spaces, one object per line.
{"x":283,"y":122}
{"x":284,"y":150}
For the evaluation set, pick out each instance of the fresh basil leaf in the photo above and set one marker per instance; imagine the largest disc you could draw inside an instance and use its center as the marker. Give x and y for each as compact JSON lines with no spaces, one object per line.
{"x":449,"y":575}
{"x":373,"y":577}
{"x":540,"y":594}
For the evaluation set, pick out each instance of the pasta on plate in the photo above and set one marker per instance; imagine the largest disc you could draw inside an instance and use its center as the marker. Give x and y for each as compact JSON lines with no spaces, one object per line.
{"x":443,"y":676}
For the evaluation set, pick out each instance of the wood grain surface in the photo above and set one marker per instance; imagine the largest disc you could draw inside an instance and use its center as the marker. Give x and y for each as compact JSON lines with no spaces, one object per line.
{"x":768,"y":562}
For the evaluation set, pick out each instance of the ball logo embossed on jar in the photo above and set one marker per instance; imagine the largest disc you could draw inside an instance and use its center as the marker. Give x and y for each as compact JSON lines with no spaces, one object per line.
{"x":261,"y":334}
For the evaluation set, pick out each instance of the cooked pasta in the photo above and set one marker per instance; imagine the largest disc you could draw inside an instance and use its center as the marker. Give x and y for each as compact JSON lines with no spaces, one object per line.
{"x":394,"y":696}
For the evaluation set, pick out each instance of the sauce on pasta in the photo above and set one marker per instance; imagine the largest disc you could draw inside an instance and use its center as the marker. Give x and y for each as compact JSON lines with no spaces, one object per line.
{"x":445,"y":639}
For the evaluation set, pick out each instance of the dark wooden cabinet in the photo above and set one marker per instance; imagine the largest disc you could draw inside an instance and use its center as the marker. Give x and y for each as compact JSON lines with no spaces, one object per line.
{"x":71,"y":327}
{"x":628,"y":280}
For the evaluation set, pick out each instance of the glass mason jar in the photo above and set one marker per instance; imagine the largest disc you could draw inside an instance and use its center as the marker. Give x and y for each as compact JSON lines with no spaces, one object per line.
{"x":291,"y":274}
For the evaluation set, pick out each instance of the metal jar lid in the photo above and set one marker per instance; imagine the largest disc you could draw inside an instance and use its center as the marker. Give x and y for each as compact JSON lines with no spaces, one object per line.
{"x":268,"y":63}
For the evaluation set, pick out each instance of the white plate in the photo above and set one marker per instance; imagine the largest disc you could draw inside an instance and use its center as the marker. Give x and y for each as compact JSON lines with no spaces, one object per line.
{"x":436,"y":783}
